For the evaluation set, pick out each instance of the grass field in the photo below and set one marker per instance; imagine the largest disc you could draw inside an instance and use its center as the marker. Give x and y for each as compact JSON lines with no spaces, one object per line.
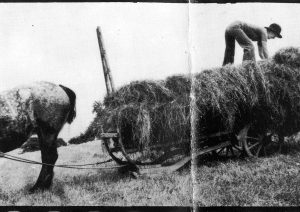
{"x":89,"y":187}
{"x":268,"y":181}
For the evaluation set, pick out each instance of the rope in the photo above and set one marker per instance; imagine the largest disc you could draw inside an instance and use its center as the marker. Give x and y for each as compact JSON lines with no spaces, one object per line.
{"x":75,"y":166}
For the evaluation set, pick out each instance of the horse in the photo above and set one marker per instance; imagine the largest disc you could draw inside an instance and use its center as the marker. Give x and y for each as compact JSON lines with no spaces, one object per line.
{"x":40,"y":108}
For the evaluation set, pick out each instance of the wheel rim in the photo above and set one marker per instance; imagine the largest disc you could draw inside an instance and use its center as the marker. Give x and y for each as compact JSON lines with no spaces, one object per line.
{"x":238,"y":149}
{"x":235,"y":150}
{"x":252,"y":145}
{"x":150,"y":156}
{"x":260,"y":144}
{"x":111,"y":153}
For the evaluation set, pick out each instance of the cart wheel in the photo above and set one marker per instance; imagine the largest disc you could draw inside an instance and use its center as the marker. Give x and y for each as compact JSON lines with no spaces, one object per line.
{"x":133,"y":157}
{"x":252,"y":144}
{"x":230,"y":151}
{"x":224,"y":151}
{"x":158,"y":155}
{"x":111,"y":151}
{"x":235,"y":150}
{"x":259,"y":144}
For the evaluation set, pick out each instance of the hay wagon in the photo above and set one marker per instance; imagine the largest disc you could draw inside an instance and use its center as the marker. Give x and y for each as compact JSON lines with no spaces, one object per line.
{"x":168,"y":156}
{"x":171,"y":156}
{"x":248,"y":141}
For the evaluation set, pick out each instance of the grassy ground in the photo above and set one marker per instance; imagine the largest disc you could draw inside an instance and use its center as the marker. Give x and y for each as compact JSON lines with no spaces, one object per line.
{"x":90,"y":187}
{"x":268,"y":181}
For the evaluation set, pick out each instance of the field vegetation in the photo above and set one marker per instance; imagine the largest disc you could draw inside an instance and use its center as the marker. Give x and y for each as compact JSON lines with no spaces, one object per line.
{"x":224,"y":181}
{"x":265,"y":181}
{"x":89,"y":187}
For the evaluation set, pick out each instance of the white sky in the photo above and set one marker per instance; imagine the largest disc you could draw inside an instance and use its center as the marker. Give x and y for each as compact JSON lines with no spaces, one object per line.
{"x":57,"y":42}
{"x":208,"y":23}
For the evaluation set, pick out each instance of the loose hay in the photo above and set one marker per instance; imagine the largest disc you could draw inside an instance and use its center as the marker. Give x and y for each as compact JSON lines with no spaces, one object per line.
{"x":288,"y":56}
{"x":265,"y":94}
{"x":148,"y":112}
{"x":179,"y":84}
{"x":227,"y":96}
{"x":145,"y":92}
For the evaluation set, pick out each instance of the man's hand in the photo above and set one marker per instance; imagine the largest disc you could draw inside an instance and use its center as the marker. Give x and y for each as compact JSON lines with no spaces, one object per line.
{"x":263,"y":50}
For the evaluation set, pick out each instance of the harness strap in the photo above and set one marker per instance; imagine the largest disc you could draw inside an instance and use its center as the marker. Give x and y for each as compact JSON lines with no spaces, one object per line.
{"x":78,"y":166}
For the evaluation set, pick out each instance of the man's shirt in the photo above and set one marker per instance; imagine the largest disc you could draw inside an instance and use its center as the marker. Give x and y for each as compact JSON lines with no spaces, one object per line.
{"x":255,"y":33}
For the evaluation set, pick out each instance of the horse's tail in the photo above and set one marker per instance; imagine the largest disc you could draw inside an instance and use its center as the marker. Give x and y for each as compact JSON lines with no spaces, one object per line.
{"x":72,"y":97}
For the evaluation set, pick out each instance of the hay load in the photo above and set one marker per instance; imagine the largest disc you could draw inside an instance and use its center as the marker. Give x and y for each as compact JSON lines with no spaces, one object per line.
{"x":288,"y":56}
{"x":283,"y":74}
{"x":227,"y":96}
{"x":150,"y":111}
{"x":266,"y":94}
{"x":179,"y":84}
{"x":147,"y":92}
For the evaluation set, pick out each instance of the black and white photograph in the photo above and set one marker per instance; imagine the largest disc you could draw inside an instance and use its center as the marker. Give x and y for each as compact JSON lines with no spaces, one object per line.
{"x":114,"y":104}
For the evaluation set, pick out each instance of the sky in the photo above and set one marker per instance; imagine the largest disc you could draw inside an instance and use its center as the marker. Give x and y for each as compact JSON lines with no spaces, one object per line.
{"x":209,"y":21}
{"x":57,"y":42}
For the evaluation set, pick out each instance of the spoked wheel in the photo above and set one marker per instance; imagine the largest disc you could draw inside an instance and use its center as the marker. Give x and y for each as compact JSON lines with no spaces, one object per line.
{"x":234,"y":150}
{"x":230,"y":151}
{"x":113,"y":151}
{"x":116,"y":149}
{"x":259,"y":144}
{"x":153,"y":155}
{"x":252,"y":143}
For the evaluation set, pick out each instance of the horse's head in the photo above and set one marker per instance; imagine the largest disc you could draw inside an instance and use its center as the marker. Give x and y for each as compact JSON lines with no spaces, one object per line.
{"x":288,"y":56}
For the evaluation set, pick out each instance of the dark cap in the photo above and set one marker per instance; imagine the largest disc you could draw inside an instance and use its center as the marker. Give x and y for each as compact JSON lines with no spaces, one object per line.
{"x":276,"y":29}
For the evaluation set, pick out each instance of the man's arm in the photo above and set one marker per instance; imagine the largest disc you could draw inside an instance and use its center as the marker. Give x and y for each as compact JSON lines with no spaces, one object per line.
{"x":263,"y":50}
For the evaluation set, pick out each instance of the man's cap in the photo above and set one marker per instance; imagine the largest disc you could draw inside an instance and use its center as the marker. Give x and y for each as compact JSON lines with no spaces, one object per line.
{"x":276,"y":29}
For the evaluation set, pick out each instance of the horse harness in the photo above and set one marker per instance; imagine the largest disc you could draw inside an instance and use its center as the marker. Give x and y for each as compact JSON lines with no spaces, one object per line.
{"x":73,"y":166}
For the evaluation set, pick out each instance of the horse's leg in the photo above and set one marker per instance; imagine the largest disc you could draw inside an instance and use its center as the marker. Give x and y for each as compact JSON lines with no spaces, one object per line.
{"x":49,"y":156}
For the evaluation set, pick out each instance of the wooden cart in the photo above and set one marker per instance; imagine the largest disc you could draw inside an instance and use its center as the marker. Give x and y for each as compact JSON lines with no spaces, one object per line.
{"x":172,"y":156}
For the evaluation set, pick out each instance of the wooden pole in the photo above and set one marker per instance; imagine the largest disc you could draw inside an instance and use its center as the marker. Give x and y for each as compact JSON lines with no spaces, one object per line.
{"x":102,"y":54}
{"x":106,"y":70}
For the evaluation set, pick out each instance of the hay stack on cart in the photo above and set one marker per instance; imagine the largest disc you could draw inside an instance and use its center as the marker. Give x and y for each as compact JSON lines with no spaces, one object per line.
{"x":262,"y":97}
{"x":150,"y":113}
{"x":237,"y":109}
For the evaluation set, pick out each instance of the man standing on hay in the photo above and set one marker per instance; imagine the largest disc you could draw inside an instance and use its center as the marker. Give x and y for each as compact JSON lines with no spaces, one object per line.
{"x":244,"y":34}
